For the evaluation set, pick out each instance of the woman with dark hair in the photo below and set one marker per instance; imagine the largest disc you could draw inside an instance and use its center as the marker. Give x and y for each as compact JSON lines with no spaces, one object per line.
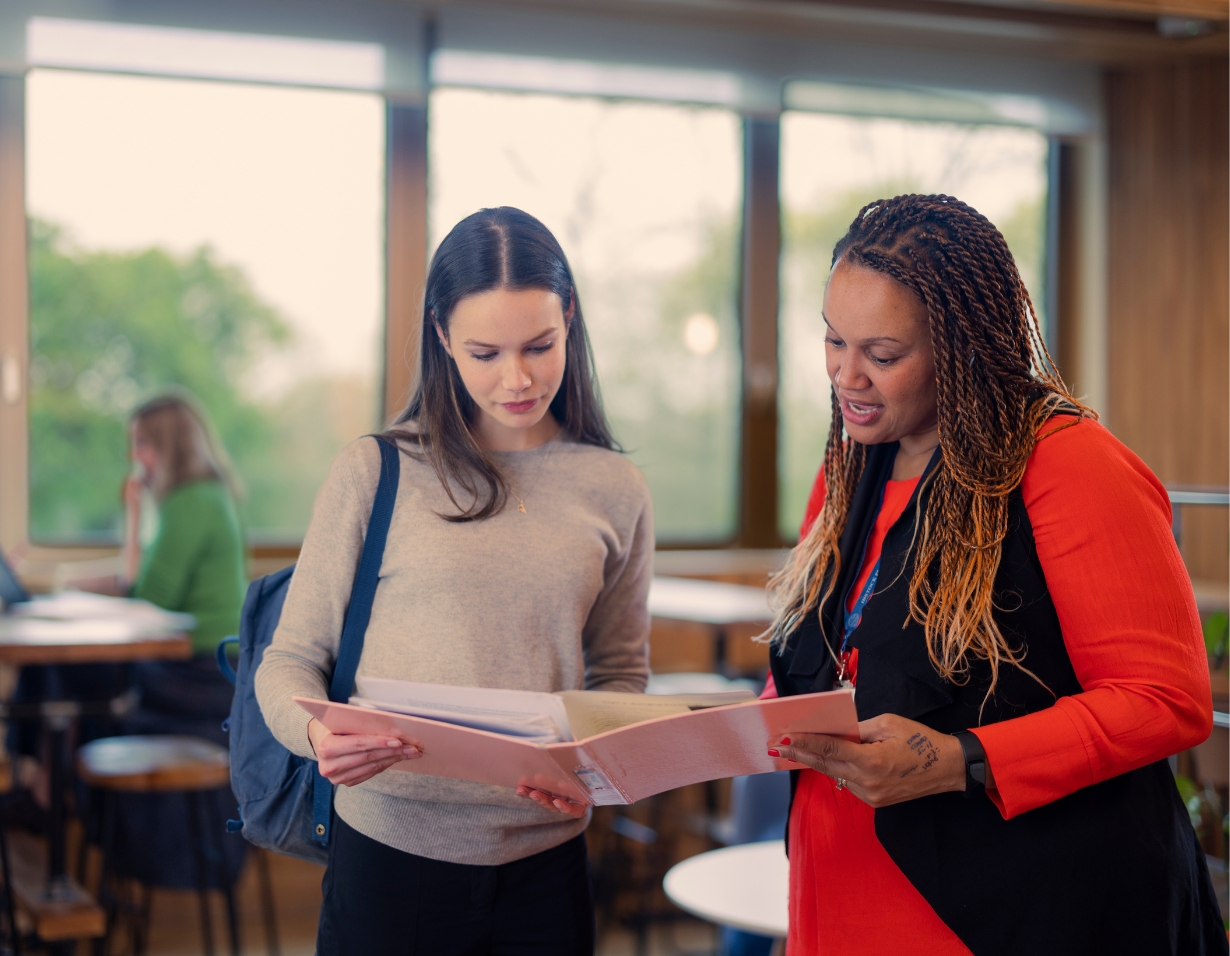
{"x":996,"y":575}
{"x":519,"y":556}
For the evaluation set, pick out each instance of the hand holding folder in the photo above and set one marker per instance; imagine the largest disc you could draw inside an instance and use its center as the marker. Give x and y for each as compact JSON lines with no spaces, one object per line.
{"x":615,"y":766}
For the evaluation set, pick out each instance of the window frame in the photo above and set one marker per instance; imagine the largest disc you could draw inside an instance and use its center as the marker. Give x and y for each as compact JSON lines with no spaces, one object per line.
{"x":406,"y":236}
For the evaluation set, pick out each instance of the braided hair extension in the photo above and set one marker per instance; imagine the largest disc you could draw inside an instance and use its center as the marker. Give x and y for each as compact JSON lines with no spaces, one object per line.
{"x":996,"y":385}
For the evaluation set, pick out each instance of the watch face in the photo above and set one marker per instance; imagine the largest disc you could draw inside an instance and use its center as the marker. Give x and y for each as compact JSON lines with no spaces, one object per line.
{"x":978,"y":770}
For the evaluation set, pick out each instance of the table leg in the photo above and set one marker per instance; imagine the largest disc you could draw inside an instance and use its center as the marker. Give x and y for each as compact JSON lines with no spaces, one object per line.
{"x":58,"y":884}
{"x":719,"y":651}
{"x":57,"y":880}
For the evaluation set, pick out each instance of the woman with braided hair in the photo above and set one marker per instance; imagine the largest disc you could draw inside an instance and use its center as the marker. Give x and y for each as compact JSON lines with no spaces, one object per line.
{"x":996,"y":575}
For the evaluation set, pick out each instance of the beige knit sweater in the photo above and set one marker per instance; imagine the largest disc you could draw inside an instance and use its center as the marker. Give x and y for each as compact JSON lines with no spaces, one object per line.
{"x":546,"y":600}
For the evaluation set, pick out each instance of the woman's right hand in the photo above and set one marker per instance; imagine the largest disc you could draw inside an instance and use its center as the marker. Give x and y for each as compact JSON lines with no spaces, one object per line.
{"x":133,"y":488}
{"x":349,"y":759}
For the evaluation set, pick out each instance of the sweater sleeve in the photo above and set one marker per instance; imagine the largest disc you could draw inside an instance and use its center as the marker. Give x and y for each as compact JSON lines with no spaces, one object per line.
{"x":616,"y":635}
{"x":304,"y":647}
{"x":166,"y":571}
{"x":1101,"y":525}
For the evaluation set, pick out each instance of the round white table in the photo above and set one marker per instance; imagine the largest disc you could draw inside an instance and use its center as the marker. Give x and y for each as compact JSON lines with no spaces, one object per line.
{"x":744,"y":887}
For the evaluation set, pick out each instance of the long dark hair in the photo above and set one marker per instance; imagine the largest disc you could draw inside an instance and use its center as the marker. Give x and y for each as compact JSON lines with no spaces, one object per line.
{"x":996,"y":385}
{"x":502,"y":248}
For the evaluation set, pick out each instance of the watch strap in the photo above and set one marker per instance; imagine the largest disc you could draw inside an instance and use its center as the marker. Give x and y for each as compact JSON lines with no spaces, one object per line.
{"x":975,"y":762}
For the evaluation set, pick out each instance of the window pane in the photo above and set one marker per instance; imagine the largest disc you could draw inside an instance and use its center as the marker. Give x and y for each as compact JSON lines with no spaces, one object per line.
{"x":831,"y":167}
{"x":220,"y":237}
{"x":644,"y":199}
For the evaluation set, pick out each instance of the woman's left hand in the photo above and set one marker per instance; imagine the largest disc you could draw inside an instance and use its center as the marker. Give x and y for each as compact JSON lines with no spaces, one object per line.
{"x":549,"y":801}
{"x":896,"y":760}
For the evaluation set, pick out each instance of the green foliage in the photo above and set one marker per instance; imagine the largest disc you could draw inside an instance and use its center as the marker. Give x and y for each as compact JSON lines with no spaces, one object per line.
{"x":1024,"y":230}
{"x":677,"y":414}
{"x":1189,"y":793}
{"x":106,"y":330}
{"x":1216,"y":634}
{"x":1204,"y":809}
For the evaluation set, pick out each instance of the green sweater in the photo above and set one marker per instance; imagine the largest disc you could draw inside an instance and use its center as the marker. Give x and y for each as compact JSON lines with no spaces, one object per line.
{"x":196,"y":562}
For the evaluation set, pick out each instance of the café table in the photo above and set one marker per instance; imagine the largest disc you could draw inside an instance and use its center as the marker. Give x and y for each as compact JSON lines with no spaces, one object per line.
{"x":85,"y":642}
{"x":744,"y":887}
{"x":716,"y":603}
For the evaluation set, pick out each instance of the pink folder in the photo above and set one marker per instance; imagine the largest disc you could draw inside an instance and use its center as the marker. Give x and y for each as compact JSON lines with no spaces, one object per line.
{"x":617,"y":767}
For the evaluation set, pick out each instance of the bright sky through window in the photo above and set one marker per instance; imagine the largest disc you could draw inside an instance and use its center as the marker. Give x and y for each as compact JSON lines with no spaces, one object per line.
{"x":284,"y":189}
{"x":286,"y":183}
{"x":645,"y":199}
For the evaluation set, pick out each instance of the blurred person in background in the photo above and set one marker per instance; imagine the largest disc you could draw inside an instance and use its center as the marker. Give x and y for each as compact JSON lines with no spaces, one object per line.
{"x":195,"y":564}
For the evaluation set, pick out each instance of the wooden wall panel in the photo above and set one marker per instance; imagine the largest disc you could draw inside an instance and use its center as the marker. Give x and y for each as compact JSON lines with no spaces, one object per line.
{"x":1168,"y":278}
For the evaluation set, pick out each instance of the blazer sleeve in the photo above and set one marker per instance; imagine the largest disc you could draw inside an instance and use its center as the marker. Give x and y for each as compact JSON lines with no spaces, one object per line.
{"x":1101,"y":525}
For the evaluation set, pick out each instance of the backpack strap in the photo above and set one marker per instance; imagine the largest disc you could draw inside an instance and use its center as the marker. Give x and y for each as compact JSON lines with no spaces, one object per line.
{"x":362,"y":594}
{"x":366,"y":576}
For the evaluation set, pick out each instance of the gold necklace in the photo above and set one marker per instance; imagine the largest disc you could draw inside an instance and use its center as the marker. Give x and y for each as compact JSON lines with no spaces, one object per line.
{"x":534,"y":484}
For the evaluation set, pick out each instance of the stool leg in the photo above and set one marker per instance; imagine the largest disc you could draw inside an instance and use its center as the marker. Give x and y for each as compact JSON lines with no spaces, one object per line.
{"x":140,"y":926}
{"x":89,"y":822}
{"x":10,"y":911}
{"x":232,"y":919}
{"x":202,"y":881}
{"x":106,"y":892}
{"x":268,"y":909}
{"x":224,"y":875}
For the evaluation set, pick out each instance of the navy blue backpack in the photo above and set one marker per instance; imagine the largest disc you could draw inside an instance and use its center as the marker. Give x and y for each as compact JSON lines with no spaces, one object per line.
{"x":284,"y":802}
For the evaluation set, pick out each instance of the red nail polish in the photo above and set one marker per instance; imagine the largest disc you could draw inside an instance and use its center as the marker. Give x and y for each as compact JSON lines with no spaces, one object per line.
{"x":774,"y":753}
{"x":785,"y":742}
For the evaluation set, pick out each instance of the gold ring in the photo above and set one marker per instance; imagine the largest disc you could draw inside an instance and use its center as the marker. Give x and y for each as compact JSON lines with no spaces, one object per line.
{"x":841,"y":783}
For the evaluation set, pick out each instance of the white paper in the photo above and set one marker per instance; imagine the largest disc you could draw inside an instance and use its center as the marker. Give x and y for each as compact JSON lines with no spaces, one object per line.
{"x":521,"y":713}
{"x":141,"y":616}
{"x":543,"y":718}
{"x":37,"y":630}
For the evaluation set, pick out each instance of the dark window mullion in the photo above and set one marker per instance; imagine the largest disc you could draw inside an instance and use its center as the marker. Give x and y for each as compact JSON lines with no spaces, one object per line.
{"x":758,"y":318}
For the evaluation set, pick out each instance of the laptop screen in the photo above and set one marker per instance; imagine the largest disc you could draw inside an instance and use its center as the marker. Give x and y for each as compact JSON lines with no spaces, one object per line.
{"x":11,"y":591}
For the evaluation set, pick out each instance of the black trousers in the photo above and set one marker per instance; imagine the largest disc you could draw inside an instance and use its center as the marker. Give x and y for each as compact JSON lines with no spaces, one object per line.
{"x":379,"y":901}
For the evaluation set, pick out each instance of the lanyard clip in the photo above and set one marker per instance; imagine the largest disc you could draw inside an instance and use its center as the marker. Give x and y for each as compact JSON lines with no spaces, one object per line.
{"x":847,"y":668}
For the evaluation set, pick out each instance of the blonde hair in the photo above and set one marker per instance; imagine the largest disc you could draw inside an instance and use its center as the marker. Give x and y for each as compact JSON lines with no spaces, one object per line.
{"x":188,"y":449}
